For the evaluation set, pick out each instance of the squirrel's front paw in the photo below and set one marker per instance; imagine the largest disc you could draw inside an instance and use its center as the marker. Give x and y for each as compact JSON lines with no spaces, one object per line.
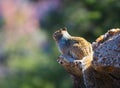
{"x":59,"y":60}
{"x":77,"y":62}
{"x":64,"y":59}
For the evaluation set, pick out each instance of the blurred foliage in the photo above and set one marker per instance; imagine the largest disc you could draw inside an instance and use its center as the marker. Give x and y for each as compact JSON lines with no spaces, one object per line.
{"x":30,"y":62}
{"x":28,"y":66}
{"x":87,"y":18}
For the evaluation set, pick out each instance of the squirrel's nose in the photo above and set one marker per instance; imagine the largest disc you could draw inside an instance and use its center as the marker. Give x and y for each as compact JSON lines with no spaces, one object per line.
{"x":54,"y":36}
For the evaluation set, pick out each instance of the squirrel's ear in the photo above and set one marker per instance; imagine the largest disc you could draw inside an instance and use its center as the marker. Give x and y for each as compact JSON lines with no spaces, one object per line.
{"x":65,"y":29}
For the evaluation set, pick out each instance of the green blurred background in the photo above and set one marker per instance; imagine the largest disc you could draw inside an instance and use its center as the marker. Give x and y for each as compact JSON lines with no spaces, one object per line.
{"x":28,"y":52}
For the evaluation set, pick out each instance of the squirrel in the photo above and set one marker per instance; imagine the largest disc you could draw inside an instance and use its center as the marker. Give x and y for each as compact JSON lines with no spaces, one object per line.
{"x":76,"y":47}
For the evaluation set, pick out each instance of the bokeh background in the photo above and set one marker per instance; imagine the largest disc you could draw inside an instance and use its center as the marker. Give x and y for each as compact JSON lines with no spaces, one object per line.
{"x":28,"y":52}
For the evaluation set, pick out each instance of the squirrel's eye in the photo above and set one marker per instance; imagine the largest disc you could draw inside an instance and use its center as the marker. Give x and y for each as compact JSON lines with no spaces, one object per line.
{"x":64,"y":29}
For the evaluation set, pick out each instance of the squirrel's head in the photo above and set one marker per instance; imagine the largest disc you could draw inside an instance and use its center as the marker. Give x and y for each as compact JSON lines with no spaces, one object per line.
{"x":60,"y":34}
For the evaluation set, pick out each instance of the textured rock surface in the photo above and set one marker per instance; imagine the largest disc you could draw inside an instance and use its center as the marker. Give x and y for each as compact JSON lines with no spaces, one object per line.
{"x":107,"y":51}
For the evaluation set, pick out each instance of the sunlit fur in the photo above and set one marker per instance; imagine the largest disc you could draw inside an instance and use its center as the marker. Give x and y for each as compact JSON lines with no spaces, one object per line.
{"x":65,"y":35}
{"x":61,"y":36}
{"x":76,"y":47}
